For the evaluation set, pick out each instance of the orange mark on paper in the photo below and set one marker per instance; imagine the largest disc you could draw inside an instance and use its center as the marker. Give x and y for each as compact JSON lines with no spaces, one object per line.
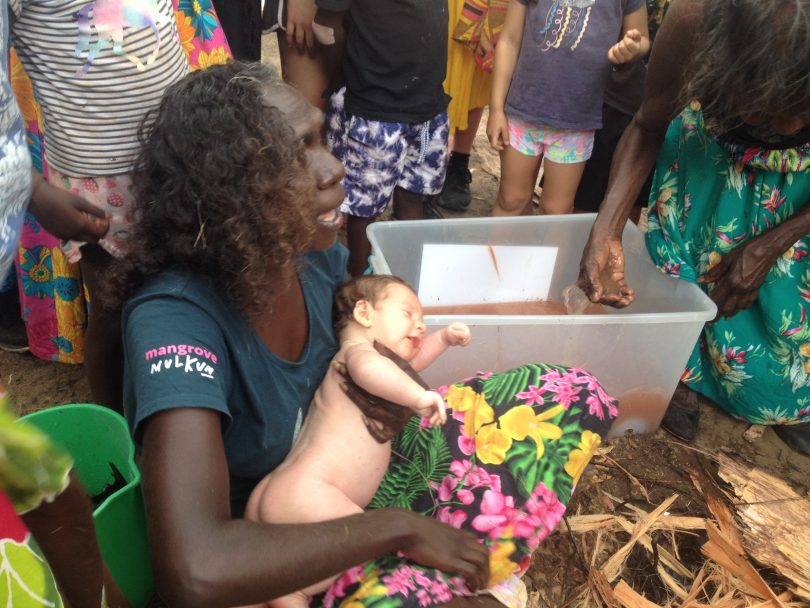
{"x":494,"y":260}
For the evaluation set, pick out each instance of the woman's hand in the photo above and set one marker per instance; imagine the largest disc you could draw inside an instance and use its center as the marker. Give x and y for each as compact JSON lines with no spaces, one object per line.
{"x":739,"y":274}
{"x":384,"y":419}
{"x":601,"y":271}
{"x":498,"y":129}
{"x":437,"y":545}
{"x":65,"y":215}
{"x":300,"y":15}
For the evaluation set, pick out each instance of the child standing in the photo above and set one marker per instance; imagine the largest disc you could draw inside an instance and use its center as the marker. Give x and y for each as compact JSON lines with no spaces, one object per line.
{"x":97,"y":68}
{"x":551,"y":67}
{"x":388,"y":123}
{"x":336,"y":463}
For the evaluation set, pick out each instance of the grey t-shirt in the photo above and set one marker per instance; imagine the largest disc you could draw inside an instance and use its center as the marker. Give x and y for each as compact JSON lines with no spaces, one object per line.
{"x":560,"y":77}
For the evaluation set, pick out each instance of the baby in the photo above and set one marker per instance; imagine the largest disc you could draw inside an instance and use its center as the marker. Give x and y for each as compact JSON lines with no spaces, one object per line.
{"x":335,"y":465}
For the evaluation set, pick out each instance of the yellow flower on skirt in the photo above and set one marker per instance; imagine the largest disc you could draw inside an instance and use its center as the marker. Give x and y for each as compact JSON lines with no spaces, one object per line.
{"x":579,"y":458}
{"x":492,"y":444}
{"x":371,"y":587}
{"x":521,"y":422}
{"x":500,"y":566}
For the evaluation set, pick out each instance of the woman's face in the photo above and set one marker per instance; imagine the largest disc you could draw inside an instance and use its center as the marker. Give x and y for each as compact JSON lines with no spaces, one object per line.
{"x":324,"y":169}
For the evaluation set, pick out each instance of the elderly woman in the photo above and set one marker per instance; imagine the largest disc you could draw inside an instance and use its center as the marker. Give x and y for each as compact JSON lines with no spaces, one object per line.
{"x":726,"y":111}
{"x":227,"y":335}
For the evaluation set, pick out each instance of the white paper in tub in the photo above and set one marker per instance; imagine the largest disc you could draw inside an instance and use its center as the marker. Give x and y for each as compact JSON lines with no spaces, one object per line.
{"x":474,"y":274}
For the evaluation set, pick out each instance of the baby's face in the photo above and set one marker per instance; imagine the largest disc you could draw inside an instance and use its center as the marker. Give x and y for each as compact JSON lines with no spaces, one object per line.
{"x":397,"y":321}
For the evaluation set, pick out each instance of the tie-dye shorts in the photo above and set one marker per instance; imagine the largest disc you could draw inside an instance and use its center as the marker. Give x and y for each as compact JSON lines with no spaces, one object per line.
{"x":564,"y":146}
{"x":380,"y":156}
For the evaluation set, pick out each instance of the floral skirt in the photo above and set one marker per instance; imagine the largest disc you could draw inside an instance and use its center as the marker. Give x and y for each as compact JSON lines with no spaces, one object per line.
{"x":503,"y":467}
{"x":708,"y":197}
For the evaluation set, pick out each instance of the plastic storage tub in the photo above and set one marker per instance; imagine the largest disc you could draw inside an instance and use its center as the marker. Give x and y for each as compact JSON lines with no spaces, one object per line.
{"x":97,"y":437}
{"x":638,"y":353}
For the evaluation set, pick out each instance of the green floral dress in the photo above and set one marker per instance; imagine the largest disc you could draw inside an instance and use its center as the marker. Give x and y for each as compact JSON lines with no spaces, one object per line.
{"x":503,"y":467}
{"x":32,"y":469}
{"x":711,"y":194}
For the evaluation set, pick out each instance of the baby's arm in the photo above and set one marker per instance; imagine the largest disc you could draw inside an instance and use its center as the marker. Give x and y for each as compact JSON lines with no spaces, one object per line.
{"x":433,"y":345}
{"x":382,"y":377}
{"x":635,"y":42}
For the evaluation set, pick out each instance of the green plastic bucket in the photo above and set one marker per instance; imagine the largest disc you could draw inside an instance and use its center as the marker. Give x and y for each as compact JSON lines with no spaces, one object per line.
{"x":97,"y":437}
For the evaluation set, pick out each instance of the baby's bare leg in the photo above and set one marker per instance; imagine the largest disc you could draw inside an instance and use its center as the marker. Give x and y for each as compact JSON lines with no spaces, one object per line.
{"x":276,"y":500}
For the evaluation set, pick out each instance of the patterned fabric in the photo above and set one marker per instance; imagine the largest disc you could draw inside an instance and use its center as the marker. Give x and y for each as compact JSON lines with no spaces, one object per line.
{"x":564,"y":146}
{"x":15,"y":164}
{"x":710,"y":196}
{"x":52,"y":296}
{"x":503,"y":467}
{"x":379,"y":156}
{"x":113,"y":194}
{"x":478,"y":27}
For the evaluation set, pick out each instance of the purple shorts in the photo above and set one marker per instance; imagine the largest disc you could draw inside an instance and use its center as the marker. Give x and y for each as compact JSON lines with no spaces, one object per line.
{"x":380,"y":156}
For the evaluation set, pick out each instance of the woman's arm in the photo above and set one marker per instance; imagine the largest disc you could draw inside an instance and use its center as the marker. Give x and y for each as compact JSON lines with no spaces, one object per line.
{"x":740,"y":273}
{"x":602,"y":265}
{"x":203,"y":558}
{"x":506,"y":56}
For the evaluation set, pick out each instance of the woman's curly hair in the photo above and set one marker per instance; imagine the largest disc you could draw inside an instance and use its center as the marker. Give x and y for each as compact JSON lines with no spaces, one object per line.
{"x":755,"y":60}
{"x":221,"y":187}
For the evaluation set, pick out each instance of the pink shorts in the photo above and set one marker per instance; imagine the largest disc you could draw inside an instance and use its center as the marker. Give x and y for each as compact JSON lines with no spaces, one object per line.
{"x":112,"y":194}
{"x":564,"y":146}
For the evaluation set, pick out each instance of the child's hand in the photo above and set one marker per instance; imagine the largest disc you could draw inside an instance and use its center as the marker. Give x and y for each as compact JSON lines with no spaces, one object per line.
{"x":457,"y":334}
{"x":627,"y":49}
{"x":498,"y":130}
{"x":299,"y":26}
{"x":431,"y":405}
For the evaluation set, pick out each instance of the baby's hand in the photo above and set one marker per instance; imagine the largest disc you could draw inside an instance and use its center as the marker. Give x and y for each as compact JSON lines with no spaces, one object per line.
{"x":457,"y":334}
{"x":431,"y":405}
{"x":627,"y":49}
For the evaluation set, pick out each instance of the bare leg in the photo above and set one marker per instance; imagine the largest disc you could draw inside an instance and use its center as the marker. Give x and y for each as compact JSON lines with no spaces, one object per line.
{"x":103,"y":350}
{"x":560,"y":185}
{"x":276,"y":500}
{"x":463,"y":140}
{"x":408,"y":205}
{"x":306,"y":72}
{"x":357,"y":241}
{"x":518,"y":176}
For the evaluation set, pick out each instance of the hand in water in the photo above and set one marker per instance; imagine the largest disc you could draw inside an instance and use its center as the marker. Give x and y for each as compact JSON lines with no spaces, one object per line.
{"x":601,"y":272}
{"x":383,"y":418}
{"x":575,"y":300}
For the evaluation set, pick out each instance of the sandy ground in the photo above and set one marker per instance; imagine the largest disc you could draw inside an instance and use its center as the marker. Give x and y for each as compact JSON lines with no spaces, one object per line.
{"x":35,"y":384}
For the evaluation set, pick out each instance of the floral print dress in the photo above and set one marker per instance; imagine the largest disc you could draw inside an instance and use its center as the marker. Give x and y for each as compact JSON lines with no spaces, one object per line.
{"x":711,"y":194}
{"x":503,"y":467}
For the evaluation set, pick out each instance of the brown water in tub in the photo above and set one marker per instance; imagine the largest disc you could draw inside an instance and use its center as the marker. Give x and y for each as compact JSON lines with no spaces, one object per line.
{"x":529,"y":308}
{"x":640,"y":410}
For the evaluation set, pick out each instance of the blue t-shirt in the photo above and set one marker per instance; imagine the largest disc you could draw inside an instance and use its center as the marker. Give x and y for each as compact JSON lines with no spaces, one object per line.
{"x":187,"y":344}
{"x":562,"y":70}
{"x":15,"y":161}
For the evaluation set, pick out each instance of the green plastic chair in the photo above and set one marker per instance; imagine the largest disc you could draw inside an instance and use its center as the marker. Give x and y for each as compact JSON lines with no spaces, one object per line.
{"x":97,"y":437}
